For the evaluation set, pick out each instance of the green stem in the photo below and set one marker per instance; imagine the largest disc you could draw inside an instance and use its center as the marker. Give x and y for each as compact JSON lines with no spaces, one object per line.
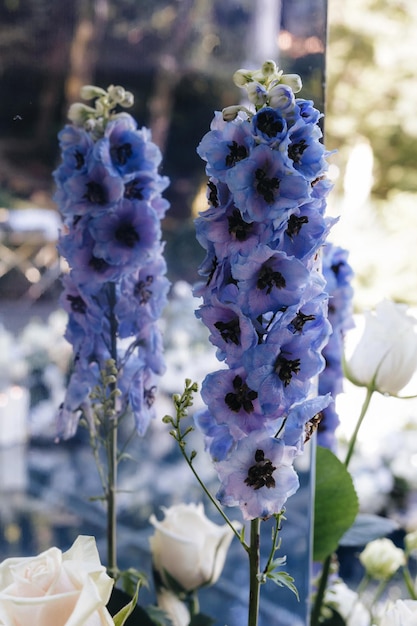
{"x":318,"y":602}
{"x":365,"y":406}
{"x":193,"y":604}
{"x":254,"y":584}
{"x":112,"y":457}
{"x":212,"y":500}
{"x":326,"y":565}
{"x":409,"y":583}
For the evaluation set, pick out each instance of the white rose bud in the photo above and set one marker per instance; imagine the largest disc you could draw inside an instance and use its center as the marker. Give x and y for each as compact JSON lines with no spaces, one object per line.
{"x":176,"y":610}
{"x":410,"y":541}
{"x":231,"y":113}
{"x":189,"y":547}
{"x":386,"y":355}
{"x":56,"y":589}
{"x":400,"y":613}
{"x":381,"y":559}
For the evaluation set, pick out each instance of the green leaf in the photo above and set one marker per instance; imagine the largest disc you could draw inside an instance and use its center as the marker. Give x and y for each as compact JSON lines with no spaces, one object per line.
{"x":121,"y":617}
{"x":336,"y":503}
{"x":366,"y":528}
{"x":201,"y":620}
{"x":282,"y":579}
{"x":158,"y":616}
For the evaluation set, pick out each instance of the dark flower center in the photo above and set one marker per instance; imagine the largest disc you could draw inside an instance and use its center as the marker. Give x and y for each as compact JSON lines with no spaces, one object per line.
{"x":300,"y":319}
{"x":285,"y":368}
{"x":79,"y":160}
{"x":312,"y":425}
{"x":241,"y":396}
{"x":133,"y":191}
{"x":77,"y":304}
{"x":236,"y":153}
{"x":96,"y":194}
{"x":296,"y":150}
{"x":266,"y":186}
{"x":214,"y":265}
{"x":294,"y":225}
{"x":149,"y":396}
{"x":142,"y":291}
{"x":230,"y":331}
{"x":269,"y":123}
{"x":97,"y":264}
{"x":260,"y":474}
{"x":268,"y":278}
{"x":121,"y":154}
{"x":126,"y":235}
{"x":213,"y":197}
{"x":238,"y":227}
{"x":336,"y":268}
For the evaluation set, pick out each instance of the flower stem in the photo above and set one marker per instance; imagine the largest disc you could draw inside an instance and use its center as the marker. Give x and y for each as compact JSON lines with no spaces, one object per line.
{"x":254,"y":583}
{"x":112,"y":457}
{"x":318,"y":602}
{"x":326,"y":565}
{"x":409,"y":583}
{"x":369,"y":391}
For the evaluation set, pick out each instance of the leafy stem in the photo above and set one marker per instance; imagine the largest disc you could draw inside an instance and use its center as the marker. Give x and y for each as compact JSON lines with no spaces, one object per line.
{"x":182,"y":403}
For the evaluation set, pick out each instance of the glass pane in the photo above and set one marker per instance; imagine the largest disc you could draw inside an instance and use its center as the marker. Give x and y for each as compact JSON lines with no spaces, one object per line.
{"x":178,"y":59}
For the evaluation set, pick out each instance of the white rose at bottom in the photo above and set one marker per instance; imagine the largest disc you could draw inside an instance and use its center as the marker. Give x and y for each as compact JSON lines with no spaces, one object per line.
{"x":55,"y":588}
{"x":401,"y":613}
{"x":189,"y":547}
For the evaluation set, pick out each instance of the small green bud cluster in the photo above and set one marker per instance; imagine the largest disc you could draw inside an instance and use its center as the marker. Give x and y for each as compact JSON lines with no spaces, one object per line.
{"x":267,"y":86}
{"x":95,"y":118}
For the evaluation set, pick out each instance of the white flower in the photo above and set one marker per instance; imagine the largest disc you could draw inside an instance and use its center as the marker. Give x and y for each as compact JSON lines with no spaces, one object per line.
{"x":401,"y":613}
{"x":176,"y":610}
{"x":188,"y":546}
{"x":386,"y":355}
{"x":346,"y":603}
{"x":56,"y":589}
{"x":381,"y":558}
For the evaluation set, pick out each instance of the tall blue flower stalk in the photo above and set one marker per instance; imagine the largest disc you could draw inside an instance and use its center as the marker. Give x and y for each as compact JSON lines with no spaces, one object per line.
{"x":109,"y":193}
{"x":338,"y":274}
{"x":264,"y":296}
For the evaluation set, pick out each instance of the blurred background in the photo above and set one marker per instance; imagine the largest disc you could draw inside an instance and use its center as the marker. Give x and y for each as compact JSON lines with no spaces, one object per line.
{"x":178,"y":57}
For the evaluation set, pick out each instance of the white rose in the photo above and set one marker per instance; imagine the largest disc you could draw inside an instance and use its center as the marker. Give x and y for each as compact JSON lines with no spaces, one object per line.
{"x":401,"y":613}
{"x":387,"y":350}
{"x":346,"y":602}
{"x":381,"y":558}
{"x":188,"y":546}
{"x":176,"y":610}
{"x":56,"y":589}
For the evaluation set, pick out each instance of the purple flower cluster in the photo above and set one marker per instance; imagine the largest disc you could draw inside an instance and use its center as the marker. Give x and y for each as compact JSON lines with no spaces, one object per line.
{"x":109,"y":195}
{"x":264,"y":299}
{"x":338,"y":274}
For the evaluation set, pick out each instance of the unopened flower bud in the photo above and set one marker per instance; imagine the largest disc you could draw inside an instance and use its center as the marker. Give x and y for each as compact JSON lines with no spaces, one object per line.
{"x":281,"y":97}
{"x":269,"y":68}
{"x":89,"y":92}
{"x":128,"y":100}
{"x":257,"y":94}
{"x":293,"y":81}
{"x":381,"y":559}
{"x":410,"y":541}
{"x":242,"y":77}
{"x":230,"y":113}
{"x":79,"y":113}
{"x":116,"y":93}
